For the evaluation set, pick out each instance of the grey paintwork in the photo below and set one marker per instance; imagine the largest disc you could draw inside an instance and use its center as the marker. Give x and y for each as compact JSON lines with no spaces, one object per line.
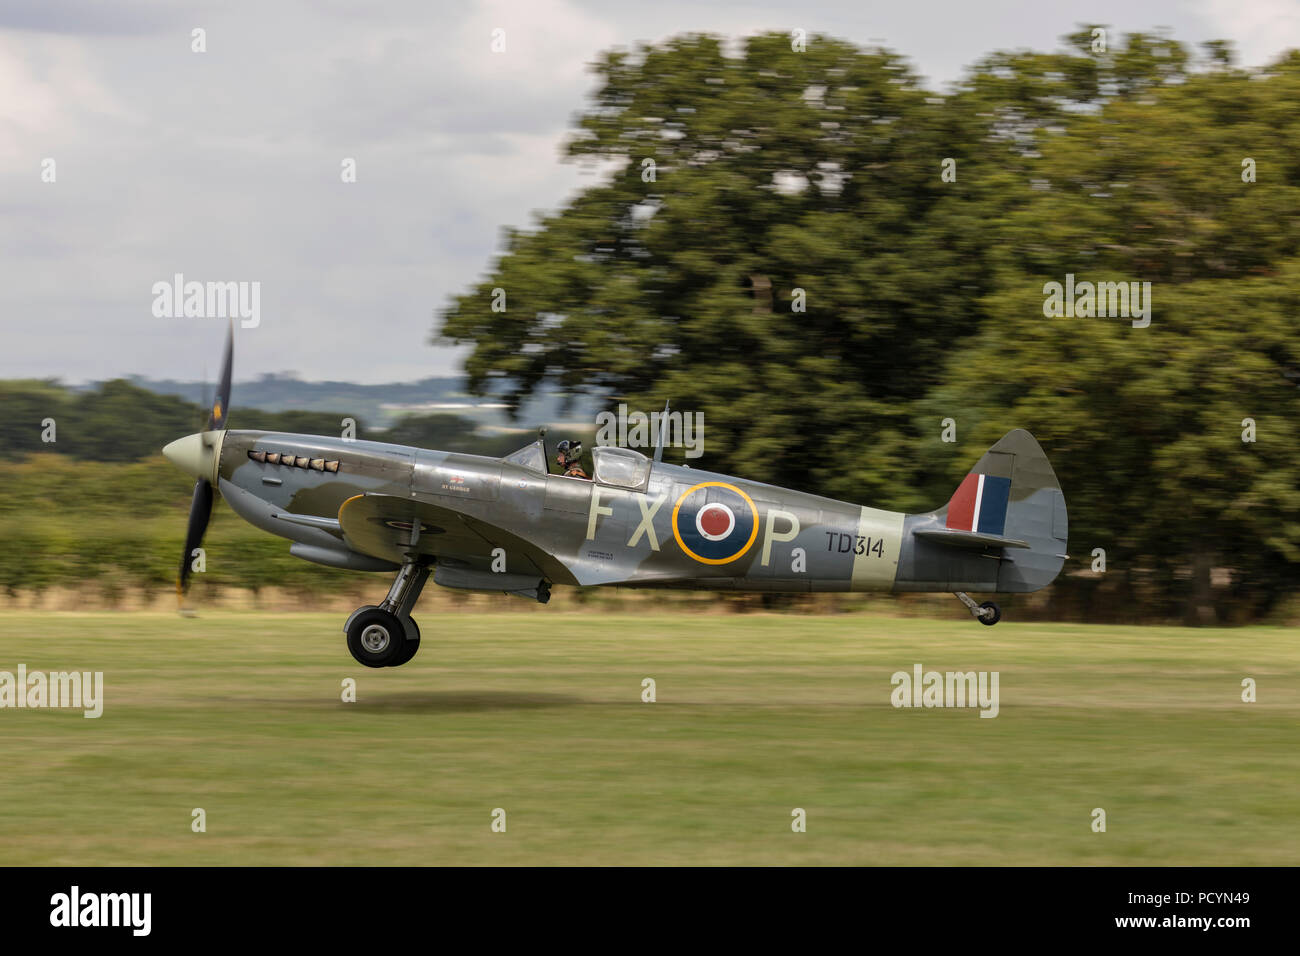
{"x":505,"y":525}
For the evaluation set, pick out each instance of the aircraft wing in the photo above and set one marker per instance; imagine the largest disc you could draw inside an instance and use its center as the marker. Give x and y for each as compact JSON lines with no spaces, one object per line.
{"x":394,"y":528}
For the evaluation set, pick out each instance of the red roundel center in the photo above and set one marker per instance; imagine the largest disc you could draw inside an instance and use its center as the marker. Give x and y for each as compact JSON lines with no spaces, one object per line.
{"x":715,"y":521}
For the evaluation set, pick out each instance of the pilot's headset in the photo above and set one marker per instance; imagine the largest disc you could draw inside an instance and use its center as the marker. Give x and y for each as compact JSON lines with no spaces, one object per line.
{"x":571,"y":450}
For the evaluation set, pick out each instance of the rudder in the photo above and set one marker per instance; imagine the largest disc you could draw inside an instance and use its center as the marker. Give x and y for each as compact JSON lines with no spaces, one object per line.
{"x":1013,"y":492}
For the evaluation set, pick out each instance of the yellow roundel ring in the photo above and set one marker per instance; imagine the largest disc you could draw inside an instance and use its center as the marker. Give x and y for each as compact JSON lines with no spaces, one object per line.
{"x":753,"y":534}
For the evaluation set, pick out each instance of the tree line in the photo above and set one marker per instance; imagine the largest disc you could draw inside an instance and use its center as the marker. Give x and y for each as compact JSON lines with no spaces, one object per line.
{"x":121,"y":421}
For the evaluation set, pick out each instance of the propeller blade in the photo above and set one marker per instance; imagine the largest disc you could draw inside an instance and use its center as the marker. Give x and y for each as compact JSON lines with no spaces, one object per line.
{"x":221,"y":404}
{"x":205,"y":400}
{"x":194,"y":457}
{"x":200,"y":513}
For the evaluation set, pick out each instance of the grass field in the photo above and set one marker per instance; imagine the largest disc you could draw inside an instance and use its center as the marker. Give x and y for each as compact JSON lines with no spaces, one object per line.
{"x":241,"y":714}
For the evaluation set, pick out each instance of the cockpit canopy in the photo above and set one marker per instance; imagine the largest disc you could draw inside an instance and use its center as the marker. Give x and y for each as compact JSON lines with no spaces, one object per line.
{"x":621,"y":467}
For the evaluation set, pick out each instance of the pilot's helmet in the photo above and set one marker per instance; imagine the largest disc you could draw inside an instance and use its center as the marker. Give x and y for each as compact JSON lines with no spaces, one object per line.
{"x":571,"y":450}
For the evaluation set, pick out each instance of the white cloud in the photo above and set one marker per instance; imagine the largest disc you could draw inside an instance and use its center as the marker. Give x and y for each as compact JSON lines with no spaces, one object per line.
{"x":225,"y":165}
{"x":1261,"y":29}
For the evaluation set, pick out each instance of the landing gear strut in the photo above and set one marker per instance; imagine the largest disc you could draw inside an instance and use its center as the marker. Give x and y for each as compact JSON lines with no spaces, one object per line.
{"x":987,"y":613}
{"x":387,"y":635}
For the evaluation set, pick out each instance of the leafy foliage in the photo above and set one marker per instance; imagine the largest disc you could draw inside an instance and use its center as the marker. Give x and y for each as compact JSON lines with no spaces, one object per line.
{"x":777,"y":173}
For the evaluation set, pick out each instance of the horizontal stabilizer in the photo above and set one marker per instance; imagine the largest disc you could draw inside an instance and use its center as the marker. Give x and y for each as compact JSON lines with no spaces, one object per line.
{"x":969,"y":539}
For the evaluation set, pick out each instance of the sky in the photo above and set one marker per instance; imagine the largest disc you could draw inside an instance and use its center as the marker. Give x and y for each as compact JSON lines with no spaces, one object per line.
{"x":227,"y":165}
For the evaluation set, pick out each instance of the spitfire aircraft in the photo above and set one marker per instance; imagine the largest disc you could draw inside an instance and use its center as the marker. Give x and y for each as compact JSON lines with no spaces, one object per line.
{"x":509,"y":525}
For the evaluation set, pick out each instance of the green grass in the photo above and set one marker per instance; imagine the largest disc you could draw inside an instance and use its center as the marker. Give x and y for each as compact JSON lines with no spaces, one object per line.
{"x":540,"y":714}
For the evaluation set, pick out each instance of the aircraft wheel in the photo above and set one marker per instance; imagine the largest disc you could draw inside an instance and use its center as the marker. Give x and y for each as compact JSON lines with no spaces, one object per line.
{"x":409,"y":646}
{"x":376,"y":638}
{"x":993,"y":618}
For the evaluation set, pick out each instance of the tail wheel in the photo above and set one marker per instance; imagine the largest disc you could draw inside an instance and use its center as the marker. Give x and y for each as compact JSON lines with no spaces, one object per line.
{"x":376,"y":638}
{"x":990,"y":613}
{"x":410,"y":645}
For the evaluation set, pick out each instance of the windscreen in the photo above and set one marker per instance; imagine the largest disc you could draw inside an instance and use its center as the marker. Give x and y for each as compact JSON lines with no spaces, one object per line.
{"x":530,"y":456}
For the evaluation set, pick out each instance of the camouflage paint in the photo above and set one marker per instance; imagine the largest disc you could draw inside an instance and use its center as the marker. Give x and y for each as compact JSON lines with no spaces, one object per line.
{"x":481,"y":518}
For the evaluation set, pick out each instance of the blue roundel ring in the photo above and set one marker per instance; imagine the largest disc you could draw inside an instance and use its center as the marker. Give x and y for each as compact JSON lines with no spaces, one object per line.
{"x":715,"y":522}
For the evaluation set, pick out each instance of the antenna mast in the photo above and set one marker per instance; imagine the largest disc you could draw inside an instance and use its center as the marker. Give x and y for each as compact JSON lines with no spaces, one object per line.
{"x":659,"y":438}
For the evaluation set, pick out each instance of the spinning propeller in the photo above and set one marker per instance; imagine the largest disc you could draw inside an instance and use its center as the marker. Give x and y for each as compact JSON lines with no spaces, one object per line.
{"x":199,"y":454}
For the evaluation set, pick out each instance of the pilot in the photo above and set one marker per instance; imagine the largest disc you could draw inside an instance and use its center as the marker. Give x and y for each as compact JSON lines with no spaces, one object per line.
{"x":566,"y":456}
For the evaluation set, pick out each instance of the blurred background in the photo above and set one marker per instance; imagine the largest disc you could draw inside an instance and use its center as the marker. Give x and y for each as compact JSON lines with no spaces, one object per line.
{"x":825,"y":251}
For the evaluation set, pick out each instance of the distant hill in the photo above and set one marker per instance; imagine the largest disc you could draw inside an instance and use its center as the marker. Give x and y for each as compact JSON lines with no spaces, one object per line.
{"x":380,"y":406}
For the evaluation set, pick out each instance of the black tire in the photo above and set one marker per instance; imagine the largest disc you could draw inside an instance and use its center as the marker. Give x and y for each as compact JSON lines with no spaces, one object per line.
{"x":409,"y":646}
{"x":376,"y":638}
{"x":992,"y":618}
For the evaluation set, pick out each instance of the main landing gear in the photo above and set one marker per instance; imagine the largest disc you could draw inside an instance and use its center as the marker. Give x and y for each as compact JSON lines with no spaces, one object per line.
{"x":986,"y":613}
{"x":387,"y":636}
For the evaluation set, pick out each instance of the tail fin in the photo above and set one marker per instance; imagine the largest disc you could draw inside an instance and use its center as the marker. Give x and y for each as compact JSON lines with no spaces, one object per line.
{"x":980,"y":502}
{"x":1010,"y":500}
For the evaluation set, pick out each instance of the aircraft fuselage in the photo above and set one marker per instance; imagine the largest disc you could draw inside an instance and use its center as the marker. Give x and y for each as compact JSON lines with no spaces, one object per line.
{"x":486,"y":522}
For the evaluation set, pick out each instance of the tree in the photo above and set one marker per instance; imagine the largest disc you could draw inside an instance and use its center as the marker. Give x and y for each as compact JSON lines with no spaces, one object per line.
{"x":783,"y":179}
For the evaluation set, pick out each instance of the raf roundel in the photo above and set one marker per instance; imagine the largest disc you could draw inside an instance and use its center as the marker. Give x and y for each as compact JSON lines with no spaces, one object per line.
{"x":715,"y":522}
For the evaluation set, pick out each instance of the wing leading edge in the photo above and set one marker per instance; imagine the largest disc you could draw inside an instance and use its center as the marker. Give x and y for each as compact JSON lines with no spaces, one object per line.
{"x":398,"y":529}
